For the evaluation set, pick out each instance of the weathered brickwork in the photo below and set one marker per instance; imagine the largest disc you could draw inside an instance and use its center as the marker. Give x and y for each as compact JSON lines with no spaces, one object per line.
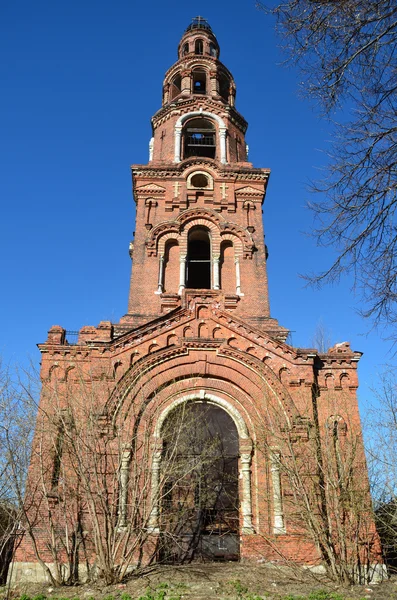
{"x":198,"y":328}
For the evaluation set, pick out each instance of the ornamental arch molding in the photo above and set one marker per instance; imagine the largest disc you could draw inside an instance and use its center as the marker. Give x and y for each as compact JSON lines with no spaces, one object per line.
{"x":141,"y":382}
{"x":210,"y":398}
{"x":199,"y":113}
{"x":220,"y":229}
{"x":245,"y":455}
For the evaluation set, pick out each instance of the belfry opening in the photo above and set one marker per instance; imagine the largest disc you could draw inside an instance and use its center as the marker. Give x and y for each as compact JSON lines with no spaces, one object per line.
{"x":199,"y":134}
{"x":199,"y":259}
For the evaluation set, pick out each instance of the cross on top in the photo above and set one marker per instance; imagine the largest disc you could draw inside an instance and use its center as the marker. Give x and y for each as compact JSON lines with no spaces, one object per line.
{"x":200,"y":22}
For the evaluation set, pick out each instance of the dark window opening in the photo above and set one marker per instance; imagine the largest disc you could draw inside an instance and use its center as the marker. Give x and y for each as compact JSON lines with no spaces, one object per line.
{"x":199,"y":82}
{"x":175,"y":88}
{"x":198,"y":266}
{"x":213,"y":50}
{"x":199,"y":139}
{"x":185,"y":49}
{"x":199,"y":180}
{"x":56,"y":467}
{"x":199,"y":47}
{"x":224,"y":87}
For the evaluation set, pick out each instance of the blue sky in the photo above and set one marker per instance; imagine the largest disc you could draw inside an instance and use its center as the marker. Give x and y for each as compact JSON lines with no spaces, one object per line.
{"x":80,"y":81}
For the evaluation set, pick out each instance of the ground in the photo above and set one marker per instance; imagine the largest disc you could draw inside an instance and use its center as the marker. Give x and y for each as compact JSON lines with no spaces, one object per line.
{"x":230,"y":581}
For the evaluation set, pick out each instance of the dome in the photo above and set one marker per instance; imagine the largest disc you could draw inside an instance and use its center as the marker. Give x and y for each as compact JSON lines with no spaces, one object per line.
{"x":199,"y":23}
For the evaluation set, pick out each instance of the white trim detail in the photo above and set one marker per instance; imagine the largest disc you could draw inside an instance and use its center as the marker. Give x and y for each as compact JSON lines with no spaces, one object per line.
{"x":197,"y":113}
{"x":182,"y":274}
{"x":160,"y":287}
{"x":204,"y":396}
{"x":124,"y":471}
{"x":278,"y":514}
{"x":151,"y":147}
{"x":245,"y":459}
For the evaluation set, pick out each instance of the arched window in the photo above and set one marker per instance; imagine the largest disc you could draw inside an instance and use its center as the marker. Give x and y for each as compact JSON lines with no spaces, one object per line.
{"x":198,"y":265}
{"x":185,"y":49}
{"x":199,"y":180}
{"x":199,"y":47}
{"x":224,"y":86}
{"x":199,"y":81}
{"x":213,"y":50}
{"x":175,"y":87}
{"x":199,"y":138}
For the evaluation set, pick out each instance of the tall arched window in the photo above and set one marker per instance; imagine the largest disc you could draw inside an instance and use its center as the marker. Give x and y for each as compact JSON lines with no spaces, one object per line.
{"x":175,"y":87}
{"x":199,"y":81}
{"x":199,"y":259}
{"x":199,"y":138}
{"x":185,"y":49}
{"x":213,"y":50}
{"x":224,"y":85}
{"x":199,"y":47}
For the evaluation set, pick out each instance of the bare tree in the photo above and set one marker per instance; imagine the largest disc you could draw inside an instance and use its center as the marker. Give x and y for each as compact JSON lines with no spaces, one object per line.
{"x":321,"y":339}
{"x":321,"y":489}
{"x":91,"y":508}
{"x":382,"y":453}
{"x":17,"y":418}
{"x":347,"y":54}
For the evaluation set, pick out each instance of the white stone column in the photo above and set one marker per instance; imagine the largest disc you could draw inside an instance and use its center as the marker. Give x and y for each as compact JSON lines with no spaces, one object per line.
{"x":278,"y":524}
{"x":153,"y":525}
{"x":182,"y":274}
{"x":222,"y":140}
{"x":160,"y":288}
{"x":177,"y":150}
{"x":246,"y":504}
{"x":124,"y":469}
{"x":238,"y":277}
{"x":216,"y":278}
{"x":151,"y":146}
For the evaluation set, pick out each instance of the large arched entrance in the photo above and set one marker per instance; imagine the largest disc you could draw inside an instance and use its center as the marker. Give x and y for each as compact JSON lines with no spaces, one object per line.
{"x":199,"y":495}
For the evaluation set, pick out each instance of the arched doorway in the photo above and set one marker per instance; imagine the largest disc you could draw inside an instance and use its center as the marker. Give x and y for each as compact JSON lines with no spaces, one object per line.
{"x":199,"y":495}
{"x":199,"y":259}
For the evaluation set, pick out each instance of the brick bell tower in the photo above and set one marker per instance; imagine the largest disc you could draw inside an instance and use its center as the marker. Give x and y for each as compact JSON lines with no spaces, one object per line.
{"x":197,"y":340}
{"x":199,"y":217}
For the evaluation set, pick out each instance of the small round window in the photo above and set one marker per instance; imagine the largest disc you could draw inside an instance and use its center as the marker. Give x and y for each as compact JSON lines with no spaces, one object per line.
{"x":199,"y":180}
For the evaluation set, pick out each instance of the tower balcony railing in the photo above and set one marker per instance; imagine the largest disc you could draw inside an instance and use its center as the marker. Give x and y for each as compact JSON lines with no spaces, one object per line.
{"x":200,"y":140}
{"x":72,"y":337}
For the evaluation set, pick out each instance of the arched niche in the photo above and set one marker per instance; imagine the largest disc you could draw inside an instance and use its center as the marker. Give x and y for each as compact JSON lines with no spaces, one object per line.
{"x":200,"y":180}
{"x":227,"y":267}
{"x":171,"y":266}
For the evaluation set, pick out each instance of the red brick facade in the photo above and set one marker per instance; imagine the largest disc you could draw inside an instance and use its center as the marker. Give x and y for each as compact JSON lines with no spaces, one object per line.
{"x":198,"y":326}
